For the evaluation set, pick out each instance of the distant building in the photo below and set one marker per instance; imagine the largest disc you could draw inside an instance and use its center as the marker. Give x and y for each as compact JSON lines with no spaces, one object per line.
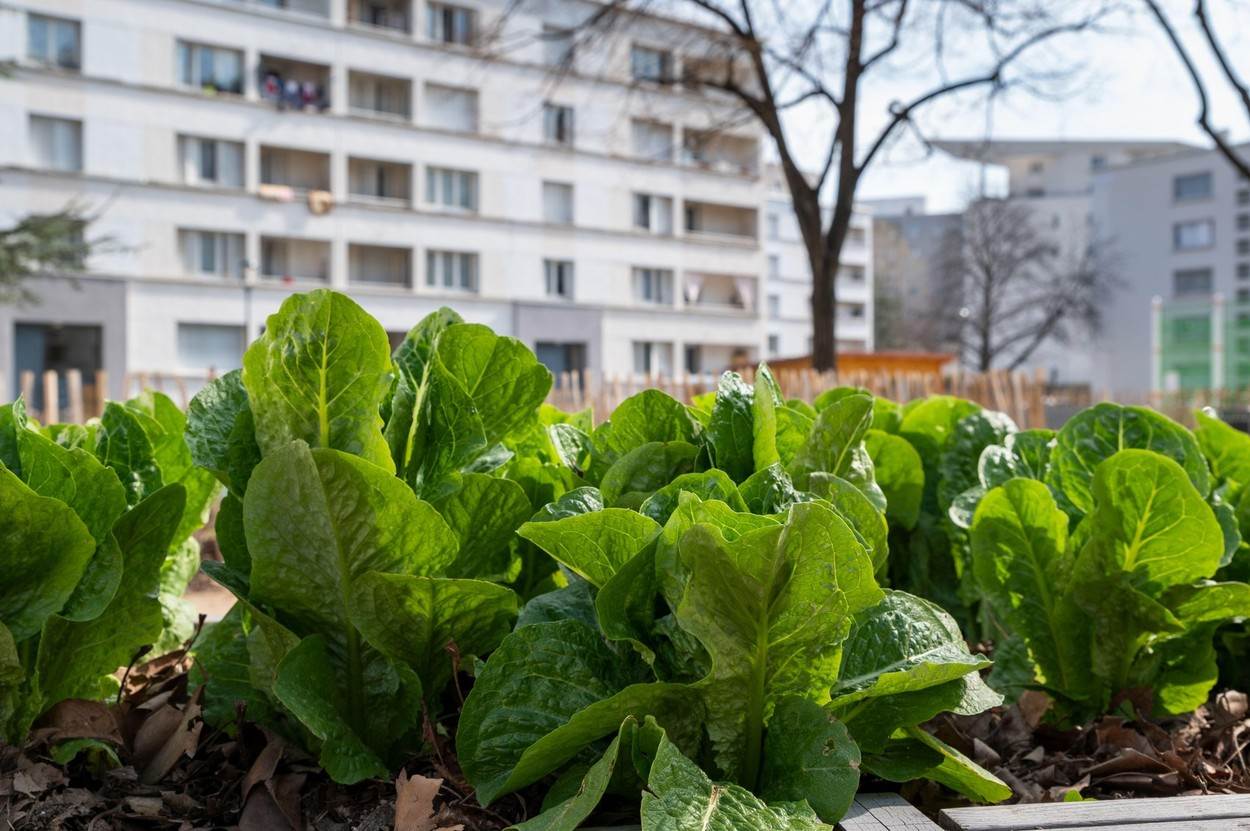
{"x":788,"y":304}
{"x":893,"y":206}
{"x":909,"y":259}
{"x":1182,"y":319}
{"x":411,"y":152}
{"x":1056,"y":180}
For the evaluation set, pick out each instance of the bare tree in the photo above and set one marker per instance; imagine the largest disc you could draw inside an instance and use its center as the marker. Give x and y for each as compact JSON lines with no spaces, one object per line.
{"x":1020,"y":288}
{"x":773,"y":56}
{"x":1227,"y":74}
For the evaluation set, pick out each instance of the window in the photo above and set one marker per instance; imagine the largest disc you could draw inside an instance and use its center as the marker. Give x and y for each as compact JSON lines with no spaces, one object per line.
{"x":647,"y":64}
{"x":207,"y":161}
{"x":558,"y":124}
{"x":774,"y":226}
{"x":653,"y":286}
{"x":210,"y":68}
{"x":205,"y":346}
{"x":378,"y":180}
{"x":56,"y":142}
{"x":1191,"y":186}
{"x":53,"y":41}
{"x":774,"y":267}
{"x":211,"y":254}
{"x":1243,"y":247}
{"x":451,"y":188}
{"x":1194,"y":234}
{"x":774,"y":345}
{"x":557,"y":46}
{"x":558,"y":275}
{"x":451,"y":108}
{"x":1243,"y":271}
{"x":558,"y":203}
{"x":452,"y":270}
{"x":1243,"y":295}
{"x":379,"y":265}
{"x":1036,"y":167}
{"x":376,"y":95}
{"x":1243,"y":197}
{"x":653,"y":213}
{"x":1097,"y":162}
{"x":774,"y":306}
{"x":651,"y":358}
{"x":653,"y":140}
{"x":1243,"y":222}
{"x":451,"y":24}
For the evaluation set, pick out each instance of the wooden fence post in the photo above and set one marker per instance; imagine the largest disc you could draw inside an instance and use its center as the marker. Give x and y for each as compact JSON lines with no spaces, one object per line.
{"x":27,"y":383}
{"x":73,"y":387}
{"x":101,"y":392}
{"x":51,"y":397}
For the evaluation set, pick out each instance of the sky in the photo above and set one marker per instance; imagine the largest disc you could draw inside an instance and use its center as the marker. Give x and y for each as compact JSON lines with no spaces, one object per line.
{"x":1131,"y":86}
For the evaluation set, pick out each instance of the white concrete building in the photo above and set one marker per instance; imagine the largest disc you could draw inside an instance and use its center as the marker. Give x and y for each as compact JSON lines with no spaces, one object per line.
{"x":788,"y":281}
{"x":1055,"y":178}
{"x":414,"y":153}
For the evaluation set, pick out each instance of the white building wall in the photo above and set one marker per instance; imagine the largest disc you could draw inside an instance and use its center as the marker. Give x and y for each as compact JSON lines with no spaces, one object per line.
{"x":132,"y":110}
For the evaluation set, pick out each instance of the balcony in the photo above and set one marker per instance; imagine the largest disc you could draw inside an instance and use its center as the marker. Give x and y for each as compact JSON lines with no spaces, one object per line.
{"x":379,"y":96}
{"x":294,"y":260}
{"x":721,"y":153}
{"x":722,"y":221}
{"x":379,"y":265}
{"x":283,"y":167}
{"x":720,"y":292}
{"x":313,"y":8}
{"x":379,"y":182}
{"x":390,"y":15}
{"x":294,"y":85}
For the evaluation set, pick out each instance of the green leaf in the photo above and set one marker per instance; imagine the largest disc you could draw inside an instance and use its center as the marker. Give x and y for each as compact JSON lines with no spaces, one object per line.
{"x":1226,"y":448}
{"x":78,"y":659}
{"x":12,"y":423}
{"x":1023,"y":564}
{"x":680,"y":797}
{"x":902,"y":644}
{"x":958,"y":466}
{"x":74,"y":477}
{"x":872,"y":721}
{"x":899,"y":472}
{"x":318,"y":374}
{"x":772,"y":608}
{"x":223,"y":666}
{"x":649,"y":416}
{"x":915,"y":754}
{"x":838,"y":431}
{"x":731,"y":431}
{"x":710,"y":484}
{"x":809,"y":755}
{"x":484,"y":514}
{"x":122,"y":444}
{"x":211,"y":419}
{"x":303,"y":684}
{"x":851,"y":504}
{"x":594,"y":545}
{"x":765,"y":400}
{"x":44,"y":550}
{"x":547,"y":693}
{"x":1149,"y":523}
{"x":644,"y":470}
{"x":1101,"y":431}
{"x":769,"y":491}
{"x":793,"y":428}
{"x":420,"y":620}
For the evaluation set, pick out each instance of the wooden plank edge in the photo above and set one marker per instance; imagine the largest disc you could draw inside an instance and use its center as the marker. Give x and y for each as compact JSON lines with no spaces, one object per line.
{"x":1092,"y":814}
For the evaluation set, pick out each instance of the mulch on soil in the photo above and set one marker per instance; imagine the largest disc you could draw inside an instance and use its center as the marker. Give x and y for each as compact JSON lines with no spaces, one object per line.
{"x":148,"y":762}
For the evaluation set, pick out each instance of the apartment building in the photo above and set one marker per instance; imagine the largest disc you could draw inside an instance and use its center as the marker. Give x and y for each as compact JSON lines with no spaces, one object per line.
{"x":413,"y":153}
{"x":788,"y":280}
{"x":1182,"y":317}
{"x":1056,"y":180}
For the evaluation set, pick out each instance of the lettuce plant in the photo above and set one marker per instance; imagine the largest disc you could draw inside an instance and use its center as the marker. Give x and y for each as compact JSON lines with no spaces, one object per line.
{"x":1096,"y":551}
{"x":736,"y":606}
{"x":364,"y":522}
{"x":95,"y":551}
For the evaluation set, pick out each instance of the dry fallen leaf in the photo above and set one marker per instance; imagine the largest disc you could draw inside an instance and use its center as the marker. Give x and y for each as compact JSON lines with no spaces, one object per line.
{"x":414,"y":803}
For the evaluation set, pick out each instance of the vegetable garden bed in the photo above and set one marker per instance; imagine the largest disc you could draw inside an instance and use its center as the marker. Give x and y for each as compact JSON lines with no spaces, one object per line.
{"x":733,"y":613}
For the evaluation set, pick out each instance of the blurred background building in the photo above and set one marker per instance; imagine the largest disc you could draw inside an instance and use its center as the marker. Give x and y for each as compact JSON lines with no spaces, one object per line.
{"x":413,"y":153}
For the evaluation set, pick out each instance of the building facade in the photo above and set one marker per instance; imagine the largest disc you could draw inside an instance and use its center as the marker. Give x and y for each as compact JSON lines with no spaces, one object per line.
{"x":413,"y":153}
{"x":1182,"y":317}
{"x":1056,"y":181}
